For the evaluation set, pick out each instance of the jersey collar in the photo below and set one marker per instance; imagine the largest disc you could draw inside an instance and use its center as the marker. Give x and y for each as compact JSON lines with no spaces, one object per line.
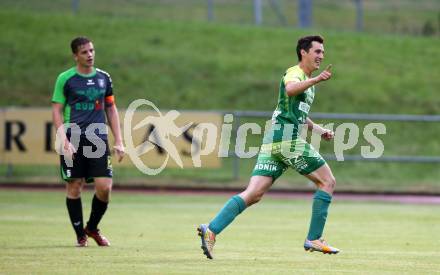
{"x":93,"y":73}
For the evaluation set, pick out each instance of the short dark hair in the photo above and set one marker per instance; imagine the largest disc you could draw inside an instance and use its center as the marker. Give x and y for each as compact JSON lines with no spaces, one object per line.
{"x":77,"y":42}
{"x":305,"y":43}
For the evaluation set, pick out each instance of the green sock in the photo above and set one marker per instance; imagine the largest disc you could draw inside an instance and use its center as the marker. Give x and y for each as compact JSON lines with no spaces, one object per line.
{"x":232,"y":208}
{"x":321,"y":202}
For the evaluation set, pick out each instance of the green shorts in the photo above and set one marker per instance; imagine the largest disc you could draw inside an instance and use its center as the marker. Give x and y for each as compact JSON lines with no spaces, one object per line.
{"x":275,"y":158}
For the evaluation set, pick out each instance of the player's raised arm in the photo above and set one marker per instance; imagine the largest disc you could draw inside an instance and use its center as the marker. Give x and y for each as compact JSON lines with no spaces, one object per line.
{"x":294,"y":88}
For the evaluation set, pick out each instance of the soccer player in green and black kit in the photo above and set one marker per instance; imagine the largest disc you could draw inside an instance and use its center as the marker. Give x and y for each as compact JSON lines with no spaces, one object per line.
{"x":82,"y":99}
{"x":283,"y":147}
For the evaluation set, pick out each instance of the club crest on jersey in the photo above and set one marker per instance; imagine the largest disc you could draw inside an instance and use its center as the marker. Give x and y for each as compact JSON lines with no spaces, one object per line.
{"x":101,"y":83}
{"x":300,"y":163}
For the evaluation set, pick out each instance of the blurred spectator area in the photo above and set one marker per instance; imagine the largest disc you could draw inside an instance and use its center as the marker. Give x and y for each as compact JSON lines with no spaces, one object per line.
{"x":409,"y":17}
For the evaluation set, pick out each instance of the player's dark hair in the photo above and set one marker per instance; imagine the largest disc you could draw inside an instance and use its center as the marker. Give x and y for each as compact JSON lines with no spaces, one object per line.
{"x":305,"y":43}
{"x":78,"y":42}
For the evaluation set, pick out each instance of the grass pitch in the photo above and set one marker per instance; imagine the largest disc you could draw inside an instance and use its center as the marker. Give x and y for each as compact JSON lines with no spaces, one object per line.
{"x":156,"y":234}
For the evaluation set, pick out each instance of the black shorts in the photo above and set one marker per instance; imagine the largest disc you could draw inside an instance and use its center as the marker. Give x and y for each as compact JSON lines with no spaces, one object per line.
{"x":85,"y":165}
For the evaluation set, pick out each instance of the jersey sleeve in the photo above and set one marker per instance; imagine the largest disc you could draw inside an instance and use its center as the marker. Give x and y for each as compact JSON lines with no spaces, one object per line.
{"x":58,"y":93}
{"x":109,"y":97}
{"x":292,"y":74}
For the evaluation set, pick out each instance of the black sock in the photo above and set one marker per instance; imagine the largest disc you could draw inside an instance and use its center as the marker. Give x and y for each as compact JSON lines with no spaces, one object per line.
{"x":74,"y":207}
{"x":98,"y":209}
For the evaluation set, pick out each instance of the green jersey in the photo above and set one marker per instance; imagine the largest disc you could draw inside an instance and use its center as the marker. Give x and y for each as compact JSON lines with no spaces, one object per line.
{"x":291,"y":111}
{"x":84,"y":97}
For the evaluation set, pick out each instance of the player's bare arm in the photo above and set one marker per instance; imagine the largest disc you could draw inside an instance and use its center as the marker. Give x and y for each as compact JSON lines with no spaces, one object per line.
{"x":57,"y":117}
{"x":294,"y":88}
{"x":113,"y":119}
{"x":326,"y":134}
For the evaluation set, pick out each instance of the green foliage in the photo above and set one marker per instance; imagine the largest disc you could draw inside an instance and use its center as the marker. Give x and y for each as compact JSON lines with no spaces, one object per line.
{"x":391,"y":16}
{"x":428,"y":29}
{"x":156,"y":234}
{"x":213,"y":66}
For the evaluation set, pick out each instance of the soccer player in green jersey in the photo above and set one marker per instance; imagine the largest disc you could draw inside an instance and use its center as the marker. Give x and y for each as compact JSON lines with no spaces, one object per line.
{"x":83,"y":97}
{"x":283,"y":147}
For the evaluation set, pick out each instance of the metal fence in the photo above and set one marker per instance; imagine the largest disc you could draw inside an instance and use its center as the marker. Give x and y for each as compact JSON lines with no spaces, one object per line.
{"x":423,"y":154}
{"x":420,"y":17}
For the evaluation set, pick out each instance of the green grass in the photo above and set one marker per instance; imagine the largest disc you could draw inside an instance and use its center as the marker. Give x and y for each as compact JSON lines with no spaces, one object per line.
{"x":391,"y":16}
{"x":215,"y":66}
{"x":155,"y":234}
